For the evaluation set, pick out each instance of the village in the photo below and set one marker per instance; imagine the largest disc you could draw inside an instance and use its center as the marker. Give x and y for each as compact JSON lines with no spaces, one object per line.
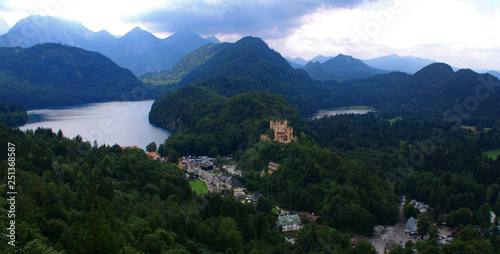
{"x":220,"y":175}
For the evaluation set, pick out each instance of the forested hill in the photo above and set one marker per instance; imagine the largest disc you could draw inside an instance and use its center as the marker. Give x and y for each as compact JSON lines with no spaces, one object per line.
{"x":184,"y":66}
{"x":435,"y":92}
{"x":13,"y":115}
{"x":53,"y":74}
{"x":250,"y":65}
{"x":75,"y":198}
{"x":212,"y":124}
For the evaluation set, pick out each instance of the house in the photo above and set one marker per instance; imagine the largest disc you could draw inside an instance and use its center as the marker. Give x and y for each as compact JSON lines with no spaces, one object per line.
{"x":206,"y":166}
{"x":130,"y":147}
{"x":239,"y":192}
{"x":272,"y":166}
{"x":389,"y":246}
{"x":288,"y":222}
{"x":232,"y":182}
{"x":152,"y":155}
{"x":411,"y":226}
{"x":254,"y":197}
{"x":311,"y":217}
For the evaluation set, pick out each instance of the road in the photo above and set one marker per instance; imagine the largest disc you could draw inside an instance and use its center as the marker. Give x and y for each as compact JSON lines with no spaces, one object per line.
{"x":394,"y":233}
{"x":207,"y":178}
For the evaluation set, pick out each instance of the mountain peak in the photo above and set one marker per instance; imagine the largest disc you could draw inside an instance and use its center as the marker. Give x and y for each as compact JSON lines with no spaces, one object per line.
{"x":187,"y":41}
{"x":212,"y":39}
{"x":139,"y":34}
{"x":321,"y":58}
{"x":435,"y":71}
{"x":408,"y":64}
{"x":342,"y":56}
{"x":340,"y":68}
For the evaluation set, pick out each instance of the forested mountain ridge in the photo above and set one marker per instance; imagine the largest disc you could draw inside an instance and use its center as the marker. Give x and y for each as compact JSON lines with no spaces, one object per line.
{"x":250,"y":65}
{"x":434,"y":93}
{"x":187,"y":64}
{"x":53,"y":75}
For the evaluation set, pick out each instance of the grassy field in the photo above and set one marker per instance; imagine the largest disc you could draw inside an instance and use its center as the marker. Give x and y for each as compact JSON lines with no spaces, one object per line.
{"x":492,"y":153}
{"x":199,"y":187}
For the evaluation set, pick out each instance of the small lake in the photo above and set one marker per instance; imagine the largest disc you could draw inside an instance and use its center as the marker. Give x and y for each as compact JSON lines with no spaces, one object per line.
{"x":334,"y":112}
{"x":122,"y":122}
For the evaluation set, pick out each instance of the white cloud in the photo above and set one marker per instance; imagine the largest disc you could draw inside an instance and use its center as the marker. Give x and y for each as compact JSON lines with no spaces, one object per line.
{"x":454,"y":31}
{"x":460,"y":32}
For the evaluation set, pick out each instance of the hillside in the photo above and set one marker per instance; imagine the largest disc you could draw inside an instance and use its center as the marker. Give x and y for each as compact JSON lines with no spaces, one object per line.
{"x":211,"y":124}
{"x":436,"y":92}
{"x":12,"y":115}
{"x":187,"y":64}
{"x":54,"y":75}
{"x":250,"y":65}
{"x":340,"y":68}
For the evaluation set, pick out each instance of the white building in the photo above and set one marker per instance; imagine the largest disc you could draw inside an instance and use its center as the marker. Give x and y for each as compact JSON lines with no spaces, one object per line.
{"x":289,"y":222}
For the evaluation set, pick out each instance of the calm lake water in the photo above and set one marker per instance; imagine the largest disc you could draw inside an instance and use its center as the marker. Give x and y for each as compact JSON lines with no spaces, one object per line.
{"x":123,"y":123}
{"x":334,"y":112}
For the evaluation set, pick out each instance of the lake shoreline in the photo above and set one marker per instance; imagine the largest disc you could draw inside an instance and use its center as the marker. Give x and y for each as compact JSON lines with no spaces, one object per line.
{"x":115,"y":122}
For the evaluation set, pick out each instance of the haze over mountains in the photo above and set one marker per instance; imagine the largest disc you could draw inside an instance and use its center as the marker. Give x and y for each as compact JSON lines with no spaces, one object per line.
{"x":408,"y":64}
{"x":392,"y":62}
{"x":138,"y":50}
{"x":4,"y":27}
{"x":340,"y":68}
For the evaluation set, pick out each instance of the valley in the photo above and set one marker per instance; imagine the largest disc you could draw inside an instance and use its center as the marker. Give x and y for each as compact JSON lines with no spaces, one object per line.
{"x":232,"y":131}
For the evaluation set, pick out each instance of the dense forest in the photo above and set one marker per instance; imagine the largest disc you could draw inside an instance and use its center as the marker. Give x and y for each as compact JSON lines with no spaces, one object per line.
{"x":244,"y":66}
{"x":53,"y":75}
{"x":13,"y":115}
{"x":77,"y":198}
{"x":211,"y":124}
{"x":351,"y":170}
{"x":434,"y":93}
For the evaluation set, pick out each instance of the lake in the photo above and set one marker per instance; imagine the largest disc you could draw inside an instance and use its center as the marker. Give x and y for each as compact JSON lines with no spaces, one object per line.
{"x":334,"y":112}
{"x":122,"y":122}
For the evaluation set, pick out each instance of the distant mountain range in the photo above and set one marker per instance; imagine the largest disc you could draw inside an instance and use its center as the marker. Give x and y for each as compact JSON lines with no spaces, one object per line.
{"x":54,"y":75}
{"x":341,"y":68}
{"x":495,"y":73}
{"x":408,"y":64}
{"x":138,"y":50}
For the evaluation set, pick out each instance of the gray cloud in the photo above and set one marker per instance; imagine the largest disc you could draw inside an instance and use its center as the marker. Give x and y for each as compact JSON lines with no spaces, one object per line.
{"x":269,"y":19}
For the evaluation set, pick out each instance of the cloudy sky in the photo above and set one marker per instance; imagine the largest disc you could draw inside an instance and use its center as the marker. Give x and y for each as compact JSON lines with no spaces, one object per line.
{"x":463,"y":33}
